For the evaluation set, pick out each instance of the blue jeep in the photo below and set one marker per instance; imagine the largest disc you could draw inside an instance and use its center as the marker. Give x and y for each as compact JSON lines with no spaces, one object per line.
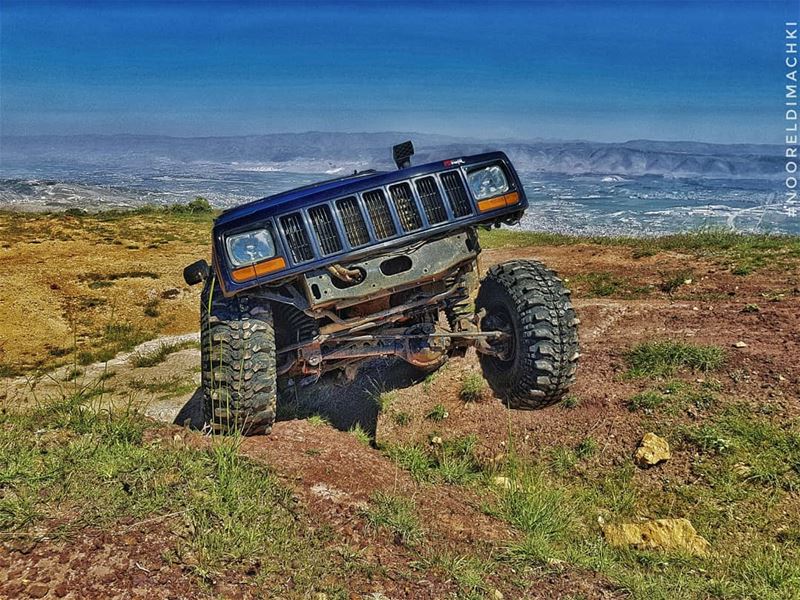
{"x":329,"y":275}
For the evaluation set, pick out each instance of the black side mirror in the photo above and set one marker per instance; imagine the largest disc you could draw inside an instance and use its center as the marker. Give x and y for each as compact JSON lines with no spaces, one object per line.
{"x":402,"y":154}
{"x":197,"y":272}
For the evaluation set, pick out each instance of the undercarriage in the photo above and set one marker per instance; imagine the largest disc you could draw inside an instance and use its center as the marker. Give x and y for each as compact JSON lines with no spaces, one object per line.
{"x":414,"y":303}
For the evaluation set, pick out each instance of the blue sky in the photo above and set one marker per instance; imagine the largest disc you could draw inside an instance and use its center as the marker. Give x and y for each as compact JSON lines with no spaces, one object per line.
{"x":607,"y":71}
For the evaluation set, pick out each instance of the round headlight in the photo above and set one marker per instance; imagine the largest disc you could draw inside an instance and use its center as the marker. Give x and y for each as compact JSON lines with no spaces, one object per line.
{"x":251,"y":247}
{"x":487,"y":182}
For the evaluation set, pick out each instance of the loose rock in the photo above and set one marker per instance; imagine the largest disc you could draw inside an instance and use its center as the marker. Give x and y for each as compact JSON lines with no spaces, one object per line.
{"x":740,"y":344}
{"x":658,"y":534}
{"x":652,"y":450}
{"x":502,"y":482}
{"x":37,"y":590}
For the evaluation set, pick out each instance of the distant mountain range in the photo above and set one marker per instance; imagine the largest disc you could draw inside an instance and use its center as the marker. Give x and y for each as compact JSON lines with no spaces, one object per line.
{"x":316,"y":152}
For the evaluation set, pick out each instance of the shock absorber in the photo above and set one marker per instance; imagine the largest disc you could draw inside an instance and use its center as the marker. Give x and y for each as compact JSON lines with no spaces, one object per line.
{"x":460,"y":314}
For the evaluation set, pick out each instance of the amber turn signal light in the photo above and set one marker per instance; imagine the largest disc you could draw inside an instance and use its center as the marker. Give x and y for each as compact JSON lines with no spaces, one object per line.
{"x":498,"y":202}
{"x":262,"y":268}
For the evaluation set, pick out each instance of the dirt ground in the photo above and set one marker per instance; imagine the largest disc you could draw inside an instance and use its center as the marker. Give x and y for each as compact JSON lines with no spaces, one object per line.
{"x":331,"y":473}
{"x":64,"y":280}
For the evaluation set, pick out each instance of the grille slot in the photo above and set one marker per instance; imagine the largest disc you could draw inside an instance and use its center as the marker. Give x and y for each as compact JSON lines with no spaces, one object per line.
{"x":297,"y":237}
{"x":322,"y":222}
{"x":379,"y":214}
{"x":406,"y":207}
{"x":431,"y":200}
{"x":353,"y":221}
{"x":456,"y":194}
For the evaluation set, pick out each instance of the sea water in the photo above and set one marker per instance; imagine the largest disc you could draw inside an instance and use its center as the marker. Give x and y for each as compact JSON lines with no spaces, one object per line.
{"x":596,"y":204}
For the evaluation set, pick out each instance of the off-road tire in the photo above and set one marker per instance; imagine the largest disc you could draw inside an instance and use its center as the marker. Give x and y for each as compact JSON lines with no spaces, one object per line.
{"x":237,"y":351}
{"x":542,"y":323}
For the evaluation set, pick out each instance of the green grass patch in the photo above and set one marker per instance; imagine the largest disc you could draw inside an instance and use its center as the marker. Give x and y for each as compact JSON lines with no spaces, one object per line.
{"x":670,"y":282}
{"x":384,"y":400}
{"x":501,"y":238}
{"x":402,"y":418}
{"x":598,"y":284}
{"x":318,"y":421}
{"x":744,"y":268}
{"x":413,"y":458}
{"x":151,"y":308}
{"x":563,"y":459}
{"x":116,"y":338}
{"x":745,"y":251}
{"x":430,"y":379}
{"x":169,"y":386}
{"x":396,"y":514}
{"x":468,"y":571}
{"x":570,"y":401}
{"x":73,"y":374}
{"x":604,"y":284}
{"x":586,"y":448}
{"x":676,"y":396}
{"x":646,"y":401}
{"x":361,"y":434}
{"x":748,"y":449}
{"x":453,"y":462}
{"x":124,"y":336}
{"x":544,"y":512}
{"x":709,"y":239}
{"x":159,"y":355}
{"x":69,"y":464}
{"x":656,"y":359}
{"x":437,"y":413}
{"x":111,"y":277}
{"x":473,"y":387}
{"x":87,"y":357}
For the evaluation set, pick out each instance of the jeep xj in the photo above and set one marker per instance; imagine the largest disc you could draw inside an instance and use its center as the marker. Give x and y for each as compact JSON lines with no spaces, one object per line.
{"x":329,"y":275}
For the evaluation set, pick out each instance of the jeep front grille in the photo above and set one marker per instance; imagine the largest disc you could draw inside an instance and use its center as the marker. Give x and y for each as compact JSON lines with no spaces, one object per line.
{"x":297,"y":237}
{"x":406,"y":207}
{"x":431,"y":200}
{"x":456,"y":194}
{"x":330,"y":228}
{"x":379,"y":214}
{"x":322,"y":222}
{"x":353,"y":221}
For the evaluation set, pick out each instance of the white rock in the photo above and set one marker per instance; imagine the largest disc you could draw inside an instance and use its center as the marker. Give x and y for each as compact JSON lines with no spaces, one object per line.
{"x":502,"y":482}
